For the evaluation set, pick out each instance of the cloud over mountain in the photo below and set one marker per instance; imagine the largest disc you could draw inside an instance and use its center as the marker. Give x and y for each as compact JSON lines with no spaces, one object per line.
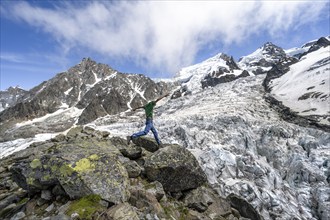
{"x":162,"y":36}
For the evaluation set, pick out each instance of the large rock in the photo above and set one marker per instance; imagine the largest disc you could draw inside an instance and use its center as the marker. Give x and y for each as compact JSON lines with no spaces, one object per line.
{"x":81,"y":167}
{"x":244,"y":208}
{"x":175,"y":167}
{"x":147,"y":143}
{"x":207,"y":201}
{"x":123,"y":211}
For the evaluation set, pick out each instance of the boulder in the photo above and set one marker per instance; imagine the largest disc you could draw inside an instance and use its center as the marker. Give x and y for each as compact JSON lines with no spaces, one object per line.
{"x":244,"y":208}
{"x":147,"y":143}
{"x":207,"y":201}
{"x":175,"y":168}
{"x":80,"y":167}
{"x":123,"y":211}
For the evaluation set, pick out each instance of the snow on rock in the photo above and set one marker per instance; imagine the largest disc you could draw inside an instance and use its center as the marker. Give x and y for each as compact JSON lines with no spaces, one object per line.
{"x":263,"y":59}
{"x":220,"y":65}
{"x":305,"y":89}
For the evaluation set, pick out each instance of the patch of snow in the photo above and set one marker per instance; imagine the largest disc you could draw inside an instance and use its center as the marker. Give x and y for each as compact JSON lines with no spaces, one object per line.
{"x":72,"y":112}
{"x":68,"y":91}
{"x":11,"y":147}
{"x":113,"y":75}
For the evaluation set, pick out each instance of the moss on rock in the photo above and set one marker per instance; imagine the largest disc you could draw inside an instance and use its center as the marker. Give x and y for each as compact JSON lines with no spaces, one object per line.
{"x":35,"y":164}
{"x":86,"y":207}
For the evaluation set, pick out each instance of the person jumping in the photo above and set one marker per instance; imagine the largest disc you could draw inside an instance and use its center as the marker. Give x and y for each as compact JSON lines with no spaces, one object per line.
{"x":149,"y":121}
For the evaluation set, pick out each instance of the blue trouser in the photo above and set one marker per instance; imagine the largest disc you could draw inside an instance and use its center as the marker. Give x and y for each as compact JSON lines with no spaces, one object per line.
{"x":149,"y":126}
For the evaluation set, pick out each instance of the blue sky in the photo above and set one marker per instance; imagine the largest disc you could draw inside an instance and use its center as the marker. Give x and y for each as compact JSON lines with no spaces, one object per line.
{"x":157,"y":38}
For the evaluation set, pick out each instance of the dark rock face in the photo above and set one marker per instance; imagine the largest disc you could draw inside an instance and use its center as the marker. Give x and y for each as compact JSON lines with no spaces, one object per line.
{"x":213,"y":81}
{"x":167,"y":166}
{"x":245,"y":208}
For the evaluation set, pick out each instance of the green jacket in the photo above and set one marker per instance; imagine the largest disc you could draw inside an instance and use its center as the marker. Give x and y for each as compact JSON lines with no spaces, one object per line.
{"x":149,"y":109}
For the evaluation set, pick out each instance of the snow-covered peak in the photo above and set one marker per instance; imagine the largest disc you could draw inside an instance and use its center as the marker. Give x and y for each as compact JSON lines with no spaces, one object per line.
{"x":261,"y":60}
{"x":202,"y":68}
{"x":192,"y":76}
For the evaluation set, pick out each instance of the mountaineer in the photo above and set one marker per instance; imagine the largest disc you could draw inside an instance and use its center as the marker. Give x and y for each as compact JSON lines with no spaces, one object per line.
{"x":149,"y":107}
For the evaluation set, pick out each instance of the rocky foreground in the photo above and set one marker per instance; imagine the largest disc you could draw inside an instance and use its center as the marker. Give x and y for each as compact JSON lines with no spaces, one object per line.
{"x":89,"y":175}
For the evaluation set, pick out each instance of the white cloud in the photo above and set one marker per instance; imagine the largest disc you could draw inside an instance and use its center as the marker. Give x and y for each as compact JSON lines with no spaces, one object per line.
{"x":164,"y":35}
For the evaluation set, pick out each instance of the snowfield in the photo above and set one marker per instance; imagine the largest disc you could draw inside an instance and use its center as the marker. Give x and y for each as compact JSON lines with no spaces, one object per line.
{"x":306,"y":87}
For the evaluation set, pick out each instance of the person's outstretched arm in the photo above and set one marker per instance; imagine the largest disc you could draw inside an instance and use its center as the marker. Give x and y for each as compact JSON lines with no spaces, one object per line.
{"x":134,"y":109}
{"x":162,"y":97}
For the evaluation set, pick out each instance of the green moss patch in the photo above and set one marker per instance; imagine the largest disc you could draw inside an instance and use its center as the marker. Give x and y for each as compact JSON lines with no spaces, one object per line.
{"x":86,"y":206}
{"x":35,"y":164}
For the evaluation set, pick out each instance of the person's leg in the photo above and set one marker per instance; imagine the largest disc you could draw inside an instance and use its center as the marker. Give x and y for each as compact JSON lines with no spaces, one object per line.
{"x":154,"y":131}
{"x":145,"y":132}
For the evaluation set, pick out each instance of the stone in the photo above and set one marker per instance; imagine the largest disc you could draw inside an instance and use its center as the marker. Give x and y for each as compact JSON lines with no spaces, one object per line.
{"x":18,"y":216}
{"x":133,"y":169}
{"x":123,"y":211}
{"x":133,"y":152}
{"x":8,"y":200}
{"x":156,"y":188}
{"x":244,"y":208}
{"x":175,"y":168}
{"x":147,"y":143}
{"x":46,"y":194}
{"x":50,"y":208}
{"x":199,"y":199}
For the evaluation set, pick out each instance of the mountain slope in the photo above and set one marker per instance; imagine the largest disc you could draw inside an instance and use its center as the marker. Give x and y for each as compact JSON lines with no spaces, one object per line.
{"x":244,"y":147}
{"x":242,"y":142}
{"x":83,"y":93}
{"x":305,"y":88}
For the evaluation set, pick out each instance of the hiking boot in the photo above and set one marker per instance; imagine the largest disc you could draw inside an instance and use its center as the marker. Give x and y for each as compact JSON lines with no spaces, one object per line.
{"x":128,"y":138}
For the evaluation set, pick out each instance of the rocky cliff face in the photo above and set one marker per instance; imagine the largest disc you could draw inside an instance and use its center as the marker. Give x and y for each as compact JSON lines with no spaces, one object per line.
{"x":10,"y":97}
{"x":87,"y":175}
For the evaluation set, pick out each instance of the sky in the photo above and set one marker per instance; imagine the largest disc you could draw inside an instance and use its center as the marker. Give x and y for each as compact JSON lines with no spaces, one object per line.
{"x":41,"y":38}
